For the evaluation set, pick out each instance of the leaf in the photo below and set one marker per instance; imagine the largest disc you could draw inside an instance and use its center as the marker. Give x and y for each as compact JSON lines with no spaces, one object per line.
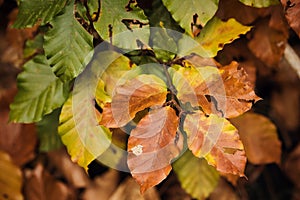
{"x":259,"y":137}
{"x":260,"y":3}
{"x":210,"y":38}
{"x":30,"y":11}
{"x":80,"y":132}
{"x":47,"y":130}
{"x":39,"y":92}
{"x":114,"y":71}
{"x":184,"y":12}
{"x":217,"y":140}
{"x":67,"y":45}
{"x":135,"y":95}
{"x":151,"y":146}
{"x":292,"y":13}
{"x":223,"y":91}
{"x":113,"y":14}
{"x":196,"y":177}
{"x":10,"y":179}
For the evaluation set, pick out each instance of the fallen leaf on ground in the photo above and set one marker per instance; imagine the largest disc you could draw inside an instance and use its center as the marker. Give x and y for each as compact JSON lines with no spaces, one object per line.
{"x":10,"y":179}
{"x":260,"y":139}
{"x":129,"y":189}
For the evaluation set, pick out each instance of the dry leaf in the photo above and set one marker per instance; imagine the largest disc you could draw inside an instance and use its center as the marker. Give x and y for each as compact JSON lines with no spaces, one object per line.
{"x":259,"y":136}
{"x":215,"y":139}
{"x":129,"y":189}
{"x":39,"y":184}
{"x":102,"y":187}
{"x":152,"y":145}
{"x":73,"y":173}
{"x":292,"y":13}
{"x":223,"y":192}
{"x":10,"y":179}
{"x":21,"y":150}
{"x":292,"y":166}
{"x":137,"y":94}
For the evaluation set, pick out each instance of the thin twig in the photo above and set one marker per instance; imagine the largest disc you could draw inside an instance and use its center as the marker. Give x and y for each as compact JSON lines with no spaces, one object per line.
{"x":92,"y":28}
{"x":292,"y":58}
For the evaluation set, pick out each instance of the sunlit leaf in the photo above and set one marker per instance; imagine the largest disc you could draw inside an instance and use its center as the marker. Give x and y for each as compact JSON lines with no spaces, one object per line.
{"x":217,"y":140}
{"x":260,"y":3}
{"x":191,"y":11}
{"x":152,"y":145}
{"x":259,"y":137}
{"x":67,"y":44}
{"x":135,"y":95}
{"x":10,"y":179}
{"x":40,"y":92}
{"x":217,"y":33}
{"x":47,"y":130}
{"x":223,"y":91}
{"x":30,"y":11}
{"x":80,"y":132}
{"x":113,"y":14}
{"x":196,"y":177}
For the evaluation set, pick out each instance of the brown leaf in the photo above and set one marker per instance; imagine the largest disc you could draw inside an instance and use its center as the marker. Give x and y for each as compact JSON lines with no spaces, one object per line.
{"x":103,"y":186}
{"x":234,"y":94}
{"x":292,"y":13}
{"x":73,"y":173}
{"x":217,"y":140}
{"x":39,"y":184}
{"x":21,"y":150}
{"x":259,"y":136}
{"x":292,"y":166}
{"x":268,"y":42}
{"x":137,"y":94}
{"x":223,"y":192}
{"x":10,"y":179}
{"x":152,"y":145}
{"x":129,"y":189}
{"x":15,"y":39}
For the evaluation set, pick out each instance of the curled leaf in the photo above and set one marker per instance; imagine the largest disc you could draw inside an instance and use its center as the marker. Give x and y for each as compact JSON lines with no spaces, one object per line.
{"x":152,"y":145}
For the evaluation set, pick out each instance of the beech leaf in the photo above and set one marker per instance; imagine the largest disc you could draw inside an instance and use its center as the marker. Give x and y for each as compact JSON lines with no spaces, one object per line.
{"x":217,"y":140}
{"x":260,"y":3}
{"x":217,"y":33}
{"x":292,"y":14}
{"x":152,"y":145}
{"x":10,"y":179}
{"x":135,"y":95}
{"x":259,"y":137}
{"x":225,"y":91}
{"x":188,"y":11}
{"x":80,"y":132}
{"x":196,"y":177}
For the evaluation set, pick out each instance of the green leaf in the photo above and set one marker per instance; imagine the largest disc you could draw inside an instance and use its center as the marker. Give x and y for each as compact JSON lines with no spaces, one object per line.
{"x":30,"y":11}
{"x":196,"y":177}
{"x":260,"y":3}
{"x":33,"y":46}
{"x":217,"y":33}
{"x":113,"y":12}
{"x":80,"y":132}
{"x":39,"y":92}
{"x":67,"y":45}
{"x":47,"y":130}
{"x":10,"y":179}
{"x":184,"y":12}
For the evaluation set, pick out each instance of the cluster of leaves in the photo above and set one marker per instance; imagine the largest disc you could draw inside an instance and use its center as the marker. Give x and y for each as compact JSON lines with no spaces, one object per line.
{"x":173,"y":108}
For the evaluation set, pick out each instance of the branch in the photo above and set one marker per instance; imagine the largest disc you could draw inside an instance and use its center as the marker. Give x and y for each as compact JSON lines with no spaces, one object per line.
{"x":292,"y":58}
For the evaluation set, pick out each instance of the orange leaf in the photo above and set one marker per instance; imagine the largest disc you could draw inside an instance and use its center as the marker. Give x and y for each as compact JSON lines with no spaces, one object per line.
{"x":152,"y":145}
{"x":259,"y":136}
{"x":135,"y":95}
{"x":224,"y":91}
{"x":215,"y":139}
